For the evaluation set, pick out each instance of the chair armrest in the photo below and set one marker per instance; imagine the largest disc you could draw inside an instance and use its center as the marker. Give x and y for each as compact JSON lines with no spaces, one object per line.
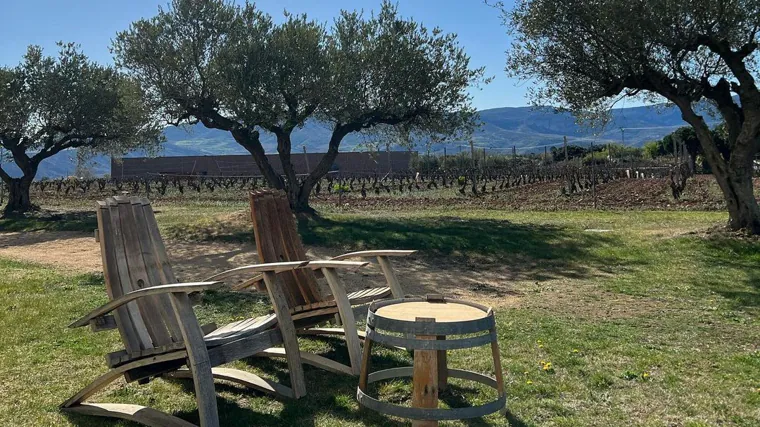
{"x":347,"y":265}
{"x":144,"y":292}
{"x":378,"y":253}
{"x":275,"y":267}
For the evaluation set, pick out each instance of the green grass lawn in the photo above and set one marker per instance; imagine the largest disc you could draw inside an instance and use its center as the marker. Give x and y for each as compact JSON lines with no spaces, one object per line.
{"x":645,"y":323}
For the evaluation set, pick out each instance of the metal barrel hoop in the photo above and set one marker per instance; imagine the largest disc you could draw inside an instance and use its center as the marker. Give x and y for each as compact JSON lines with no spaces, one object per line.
{"x":435,"y":414}
{"x":376,"y":321}
{"x":418,"y":344}
{"x":410,"y":329}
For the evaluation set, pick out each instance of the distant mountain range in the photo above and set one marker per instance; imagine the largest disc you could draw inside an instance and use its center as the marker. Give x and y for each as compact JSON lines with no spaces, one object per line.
{"x":525,"y":128}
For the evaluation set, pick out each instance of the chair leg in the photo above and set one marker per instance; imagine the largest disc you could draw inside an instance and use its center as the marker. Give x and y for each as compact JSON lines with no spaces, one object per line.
{"x":390,"y":277}
{"x":198,"y":360}
{"x":347,"y":315}
{"x":289,"y":339}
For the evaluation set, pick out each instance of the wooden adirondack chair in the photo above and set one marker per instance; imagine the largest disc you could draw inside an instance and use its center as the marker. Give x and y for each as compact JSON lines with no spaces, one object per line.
{"x":158,"y":327}
{"x":277,"y":240}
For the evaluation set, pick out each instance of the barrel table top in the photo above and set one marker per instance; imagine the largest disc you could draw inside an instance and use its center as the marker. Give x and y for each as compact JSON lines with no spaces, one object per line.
{"x":442,"y":312}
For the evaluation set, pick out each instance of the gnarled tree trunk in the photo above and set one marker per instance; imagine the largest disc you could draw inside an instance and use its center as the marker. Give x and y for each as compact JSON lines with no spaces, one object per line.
{"x":733,"y":171}
{"x":736,"y":184}
{"x":19,"y":200}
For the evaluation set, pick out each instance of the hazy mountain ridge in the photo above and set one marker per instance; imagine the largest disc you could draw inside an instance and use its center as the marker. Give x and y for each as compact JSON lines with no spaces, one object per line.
{"x":525,"y":128}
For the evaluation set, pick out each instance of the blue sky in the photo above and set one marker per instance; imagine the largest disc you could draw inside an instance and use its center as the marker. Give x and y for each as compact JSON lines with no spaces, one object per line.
{"x":93,"y":23}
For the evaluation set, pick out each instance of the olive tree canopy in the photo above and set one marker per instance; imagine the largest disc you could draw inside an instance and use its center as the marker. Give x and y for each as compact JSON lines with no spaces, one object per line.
{"x":231,"y":67}
{"x":586,"y":55}
{"x":50,"y":104}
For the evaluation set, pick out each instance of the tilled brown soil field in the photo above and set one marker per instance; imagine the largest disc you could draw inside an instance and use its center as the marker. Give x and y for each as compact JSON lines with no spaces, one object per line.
{"x":701,"y":193}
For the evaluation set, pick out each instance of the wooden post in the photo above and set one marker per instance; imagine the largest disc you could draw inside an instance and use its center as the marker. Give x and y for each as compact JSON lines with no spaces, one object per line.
{"x":593,"y":174}
{"x":472,"y":152}
{"x":366,"y":364}
{"x":443,"y":369}
{"x":306,"y":159}
{"x":2,"y":184}
{"x":390,"y":165}
{"x":425,"y":378}
{"x":497,"y":366}
{"x":564,"y":143}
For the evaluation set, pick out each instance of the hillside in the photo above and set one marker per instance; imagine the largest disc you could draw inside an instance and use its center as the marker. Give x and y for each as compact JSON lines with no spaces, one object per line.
{"x":525,"y":128}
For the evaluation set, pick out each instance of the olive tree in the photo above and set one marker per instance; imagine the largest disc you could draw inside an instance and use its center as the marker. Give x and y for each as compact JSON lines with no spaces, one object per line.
{"x":586,"y":55}
{"x":51,"y":104}
{"x":232,"y":68}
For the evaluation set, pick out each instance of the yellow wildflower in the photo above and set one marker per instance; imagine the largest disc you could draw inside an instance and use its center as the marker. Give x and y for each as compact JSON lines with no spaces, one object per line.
{"x":529,"y":382}
{"x":645,"y":375}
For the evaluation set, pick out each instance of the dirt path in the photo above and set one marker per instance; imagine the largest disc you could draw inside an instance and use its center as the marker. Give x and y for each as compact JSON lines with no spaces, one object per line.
{"x":79,"y":253}
{"x":493,"y":285}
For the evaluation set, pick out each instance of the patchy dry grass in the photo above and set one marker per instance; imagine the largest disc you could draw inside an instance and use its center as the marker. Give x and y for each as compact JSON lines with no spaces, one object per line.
{"x":645,"y":324}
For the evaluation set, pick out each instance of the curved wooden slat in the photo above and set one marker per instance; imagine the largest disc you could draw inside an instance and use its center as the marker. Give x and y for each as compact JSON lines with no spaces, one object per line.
{"x":243,"y":378}
{"x":113,"y":374}
{"x":240,"y":329}
{"x":136,"y":413}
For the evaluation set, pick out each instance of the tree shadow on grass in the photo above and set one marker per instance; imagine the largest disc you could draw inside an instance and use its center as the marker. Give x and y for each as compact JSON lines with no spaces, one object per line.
{"x":327,"y":394}
{"x":537,"y":252}
{"x":50,"y":221}
{"x":743,"y":255}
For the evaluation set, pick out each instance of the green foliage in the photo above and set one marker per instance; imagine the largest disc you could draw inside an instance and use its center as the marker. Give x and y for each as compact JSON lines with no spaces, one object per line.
{"x":652,"y":149}
{"x":688,"y":137}
{"x":50,"y":104}
{"x":613,"y":152}
{"x":394,"y":71}
{"x":573,"y":152}
{"x":231,"y":67}
{"x":338,"y":188}
{"x":587,"y":55}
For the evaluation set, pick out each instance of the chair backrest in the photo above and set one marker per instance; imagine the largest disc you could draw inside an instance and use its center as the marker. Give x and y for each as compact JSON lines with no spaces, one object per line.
{"x":277,"y":240}
{"x":134,"y":257}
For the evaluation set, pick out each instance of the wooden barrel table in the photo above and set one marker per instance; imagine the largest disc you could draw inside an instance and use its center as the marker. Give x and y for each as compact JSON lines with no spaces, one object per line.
{"x":425,"y":326}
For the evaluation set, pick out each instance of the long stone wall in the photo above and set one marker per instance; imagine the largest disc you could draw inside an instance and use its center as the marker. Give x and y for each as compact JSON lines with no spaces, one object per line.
{"x":243,"y":165}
